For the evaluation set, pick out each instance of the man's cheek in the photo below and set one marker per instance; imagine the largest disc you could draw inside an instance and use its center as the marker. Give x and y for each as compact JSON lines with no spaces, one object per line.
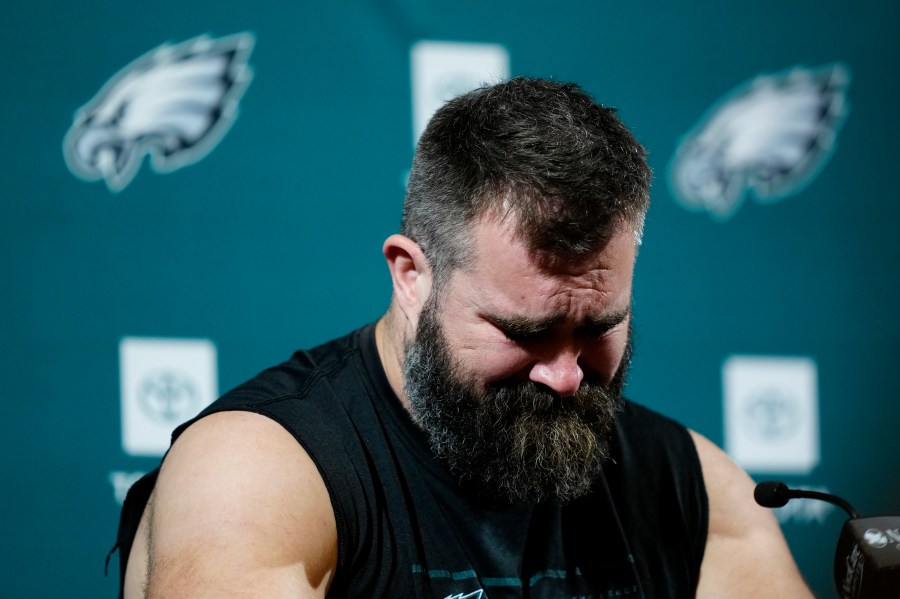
{"x":500,"y":366}
{"x":605,"y":357}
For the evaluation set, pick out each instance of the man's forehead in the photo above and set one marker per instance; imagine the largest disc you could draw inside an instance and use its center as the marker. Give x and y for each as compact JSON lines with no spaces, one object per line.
{"x":496,"y":241}
{"x":550,"y":231}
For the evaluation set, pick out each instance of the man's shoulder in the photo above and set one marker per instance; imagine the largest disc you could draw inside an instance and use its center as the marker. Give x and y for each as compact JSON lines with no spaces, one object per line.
{"x":206,"y":512}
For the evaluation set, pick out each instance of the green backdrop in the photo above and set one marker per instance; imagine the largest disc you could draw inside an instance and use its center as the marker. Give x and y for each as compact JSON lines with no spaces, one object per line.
{"x":271,"y":242}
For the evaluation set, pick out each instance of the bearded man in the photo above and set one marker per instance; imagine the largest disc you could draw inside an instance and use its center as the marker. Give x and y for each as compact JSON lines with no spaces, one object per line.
{"x":473,"y":442}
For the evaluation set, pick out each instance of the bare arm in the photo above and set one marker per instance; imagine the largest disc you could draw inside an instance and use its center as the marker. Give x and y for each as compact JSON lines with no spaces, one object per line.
{"x":746,"y":554}
{"x":239,"y":510}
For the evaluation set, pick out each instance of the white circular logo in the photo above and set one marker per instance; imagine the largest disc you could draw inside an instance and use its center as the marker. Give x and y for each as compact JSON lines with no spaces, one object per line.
{"x":168,"y":396}
{"x":772,"y":414}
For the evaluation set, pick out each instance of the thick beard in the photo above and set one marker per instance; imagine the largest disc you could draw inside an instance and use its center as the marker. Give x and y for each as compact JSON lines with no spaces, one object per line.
{"x":517,"y":441}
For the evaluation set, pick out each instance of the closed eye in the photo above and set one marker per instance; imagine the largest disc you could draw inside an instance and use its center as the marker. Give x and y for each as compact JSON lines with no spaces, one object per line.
{"x":520,"y":336}
{"x":597,"y":331}
{"x":598,"y":327}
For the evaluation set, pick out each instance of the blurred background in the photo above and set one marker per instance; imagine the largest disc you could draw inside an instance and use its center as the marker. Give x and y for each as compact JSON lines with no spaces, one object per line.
{"x":193,"y":190}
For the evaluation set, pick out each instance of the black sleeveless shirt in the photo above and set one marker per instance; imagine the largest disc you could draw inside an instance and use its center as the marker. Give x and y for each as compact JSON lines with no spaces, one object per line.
{"x":405,"y":530}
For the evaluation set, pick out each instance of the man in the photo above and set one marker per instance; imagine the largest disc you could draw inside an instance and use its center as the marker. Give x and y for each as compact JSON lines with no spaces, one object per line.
{"x":473,"y":443}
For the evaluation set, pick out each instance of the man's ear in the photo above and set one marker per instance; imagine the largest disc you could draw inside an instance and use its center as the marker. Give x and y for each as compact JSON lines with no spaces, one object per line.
{"x":410,"y":273}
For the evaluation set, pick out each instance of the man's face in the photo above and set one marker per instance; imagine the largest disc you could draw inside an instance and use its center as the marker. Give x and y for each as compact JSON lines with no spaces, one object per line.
{"x":516,"y":370}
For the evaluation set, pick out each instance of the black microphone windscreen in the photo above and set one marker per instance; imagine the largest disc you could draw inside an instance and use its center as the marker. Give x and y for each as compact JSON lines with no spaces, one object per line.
{"x":771,"y":493}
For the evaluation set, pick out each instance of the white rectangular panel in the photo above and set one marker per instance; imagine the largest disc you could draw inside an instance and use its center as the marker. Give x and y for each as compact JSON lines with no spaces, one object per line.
{"x":772,"y":413}
{"x":163,"y":383}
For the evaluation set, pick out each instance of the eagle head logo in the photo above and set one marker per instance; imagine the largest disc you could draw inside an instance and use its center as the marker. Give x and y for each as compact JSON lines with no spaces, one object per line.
{"x":771,"y":136}
{"x":174,"y":103}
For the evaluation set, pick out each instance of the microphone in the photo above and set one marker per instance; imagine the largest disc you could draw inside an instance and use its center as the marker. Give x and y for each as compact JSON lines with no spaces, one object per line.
{"x":867,"y":558}
{"x":774,"y":493}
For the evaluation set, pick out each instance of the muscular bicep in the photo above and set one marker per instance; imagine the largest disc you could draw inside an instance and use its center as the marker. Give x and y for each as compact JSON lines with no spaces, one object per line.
{"x":239,"y":510}
{"x":746,"y":554}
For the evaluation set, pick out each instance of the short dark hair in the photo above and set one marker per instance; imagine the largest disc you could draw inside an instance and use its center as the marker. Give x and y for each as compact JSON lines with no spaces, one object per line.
{"x":565,"y":168}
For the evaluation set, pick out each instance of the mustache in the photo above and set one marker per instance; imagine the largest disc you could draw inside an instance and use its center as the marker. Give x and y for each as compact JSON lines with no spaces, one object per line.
{"x":533,"y":398}
{"x":529,"y":396}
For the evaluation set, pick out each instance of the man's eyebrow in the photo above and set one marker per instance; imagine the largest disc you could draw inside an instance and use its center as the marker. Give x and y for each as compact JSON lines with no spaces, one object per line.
{"x":522,"y":325}
{"x":605,"y":322}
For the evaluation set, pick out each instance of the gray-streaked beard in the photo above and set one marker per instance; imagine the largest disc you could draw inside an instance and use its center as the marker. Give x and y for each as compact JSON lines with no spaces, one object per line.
{"x":517,"y":441}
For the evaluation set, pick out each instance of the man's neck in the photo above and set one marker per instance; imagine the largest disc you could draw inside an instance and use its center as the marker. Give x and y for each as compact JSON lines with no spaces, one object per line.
{"x":389,"y":342}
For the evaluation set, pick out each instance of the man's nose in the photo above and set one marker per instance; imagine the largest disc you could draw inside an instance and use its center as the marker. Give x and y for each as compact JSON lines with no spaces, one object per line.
{"x":559,"y":371}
